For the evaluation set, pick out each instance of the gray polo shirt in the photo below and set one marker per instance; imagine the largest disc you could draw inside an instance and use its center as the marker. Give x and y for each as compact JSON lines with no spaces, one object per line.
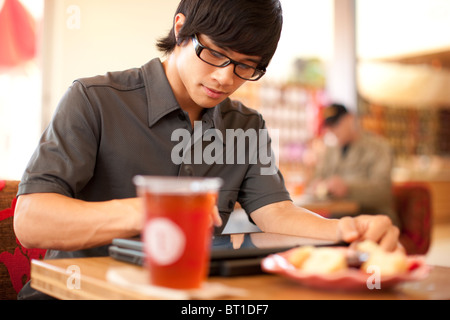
{"x":108,"y":129}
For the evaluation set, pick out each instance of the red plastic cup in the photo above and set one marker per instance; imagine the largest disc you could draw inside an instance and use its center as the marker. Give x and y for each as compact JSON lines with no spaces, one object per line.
{"x":178,"y":228}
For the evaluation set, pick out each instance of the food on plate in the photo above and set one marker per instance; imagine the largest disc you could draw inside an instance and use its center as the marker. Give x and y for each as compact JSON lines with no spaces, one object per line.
{"x":318,"y":260}
{"x":299,"y":256}
{"x":367,"y":246}
{"x":329,"y":260}
{"x":325,"y":260}
{"x":388,"y":263}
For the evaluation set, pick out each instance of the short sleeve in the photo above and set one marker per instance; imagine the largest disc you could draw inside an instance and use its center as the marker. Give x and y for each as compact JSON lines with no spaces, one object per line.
{"x":64,"y":160}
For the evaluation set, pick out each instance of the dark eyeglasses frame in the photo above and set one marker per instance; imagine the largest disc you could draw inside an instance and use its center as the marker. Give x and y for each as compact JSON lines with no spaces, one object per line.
{"x":199,"y":48}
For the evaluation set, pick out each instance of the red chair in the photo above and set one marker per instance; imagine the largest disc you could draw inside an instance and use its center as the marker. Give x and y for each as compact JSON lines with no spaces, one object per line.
{"x":413,"y":205}
{"x":15,"y":260}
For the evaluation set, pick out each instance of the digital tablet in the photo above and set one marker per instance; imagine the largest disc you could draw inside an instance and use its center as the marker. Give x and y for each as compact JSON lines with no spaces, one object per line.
{"x":231,"y":254}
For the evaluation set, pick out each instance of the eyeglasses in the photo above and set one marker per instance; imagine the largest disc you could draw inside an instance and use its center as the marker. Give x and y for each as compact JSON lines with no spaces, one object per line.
{"x":217,"y":59}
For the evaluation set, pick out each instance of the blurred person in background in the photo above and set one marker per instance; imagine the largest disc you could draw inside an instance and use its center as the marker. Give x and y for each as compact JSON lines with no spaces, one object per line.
{"x":355,"y":165}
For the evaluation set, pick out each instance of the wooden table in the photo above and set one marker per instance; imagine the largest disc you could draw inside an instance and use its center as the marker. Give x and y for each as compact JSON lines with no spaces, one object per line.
{"x":54,"y":278}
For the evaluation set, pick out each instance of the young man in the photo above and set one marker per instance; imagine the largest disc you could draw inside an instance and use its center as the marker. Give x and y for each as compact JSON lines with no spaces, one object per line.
{"x":77,"y":193}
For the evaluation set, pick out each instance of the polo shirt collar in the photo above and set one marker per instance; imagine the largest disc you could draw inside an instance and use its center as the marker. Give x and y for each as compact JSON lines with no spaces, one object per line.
{"x":160,"y":98}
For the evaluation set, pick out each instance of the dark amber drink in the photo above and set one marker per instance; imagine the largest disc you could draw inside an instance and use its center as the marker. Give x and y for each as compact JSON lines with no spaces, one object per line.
{"x":178,"y":229}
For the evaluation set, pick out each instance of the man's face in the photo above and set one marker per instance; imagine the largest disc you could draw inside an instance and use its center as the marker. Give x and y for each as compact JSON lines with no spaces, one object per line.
{"x":344,"y":130}
{"x":203,"y":84}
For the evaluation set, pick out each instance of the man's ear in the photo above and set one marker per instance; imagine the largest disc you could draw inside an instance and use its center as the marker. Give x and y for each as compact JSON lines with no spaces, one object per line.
{"x":178,"y":24}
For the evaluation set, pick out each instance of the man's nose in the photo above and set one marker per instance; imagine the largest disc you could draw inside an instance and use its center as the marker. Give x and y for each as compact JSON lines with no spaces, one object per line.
{"x":225,"y":76}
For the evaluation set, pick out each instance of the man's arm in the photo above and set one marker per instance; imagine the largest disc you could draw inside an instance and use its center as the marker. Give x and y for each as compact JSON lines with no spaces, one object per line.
{"x":286,"y":218}
{"x":54,"y":221}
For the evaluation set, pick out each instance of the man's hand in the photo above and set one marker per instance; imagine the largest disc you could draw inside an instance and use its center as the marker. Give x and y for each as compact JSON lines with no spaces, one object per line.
{"x":376,"y":228}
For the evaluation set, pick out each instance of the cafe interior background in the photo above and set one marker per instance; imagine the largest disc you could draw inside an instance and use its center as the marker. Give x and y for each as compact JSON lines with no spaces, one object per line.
{"x":388,"y":61}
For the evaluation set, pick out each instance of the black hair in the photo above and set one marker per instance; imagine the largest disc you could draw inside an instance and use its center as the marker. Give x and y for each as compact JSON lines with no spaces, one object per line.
{"x":250,"y":27}
{"x":333,"y":113}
